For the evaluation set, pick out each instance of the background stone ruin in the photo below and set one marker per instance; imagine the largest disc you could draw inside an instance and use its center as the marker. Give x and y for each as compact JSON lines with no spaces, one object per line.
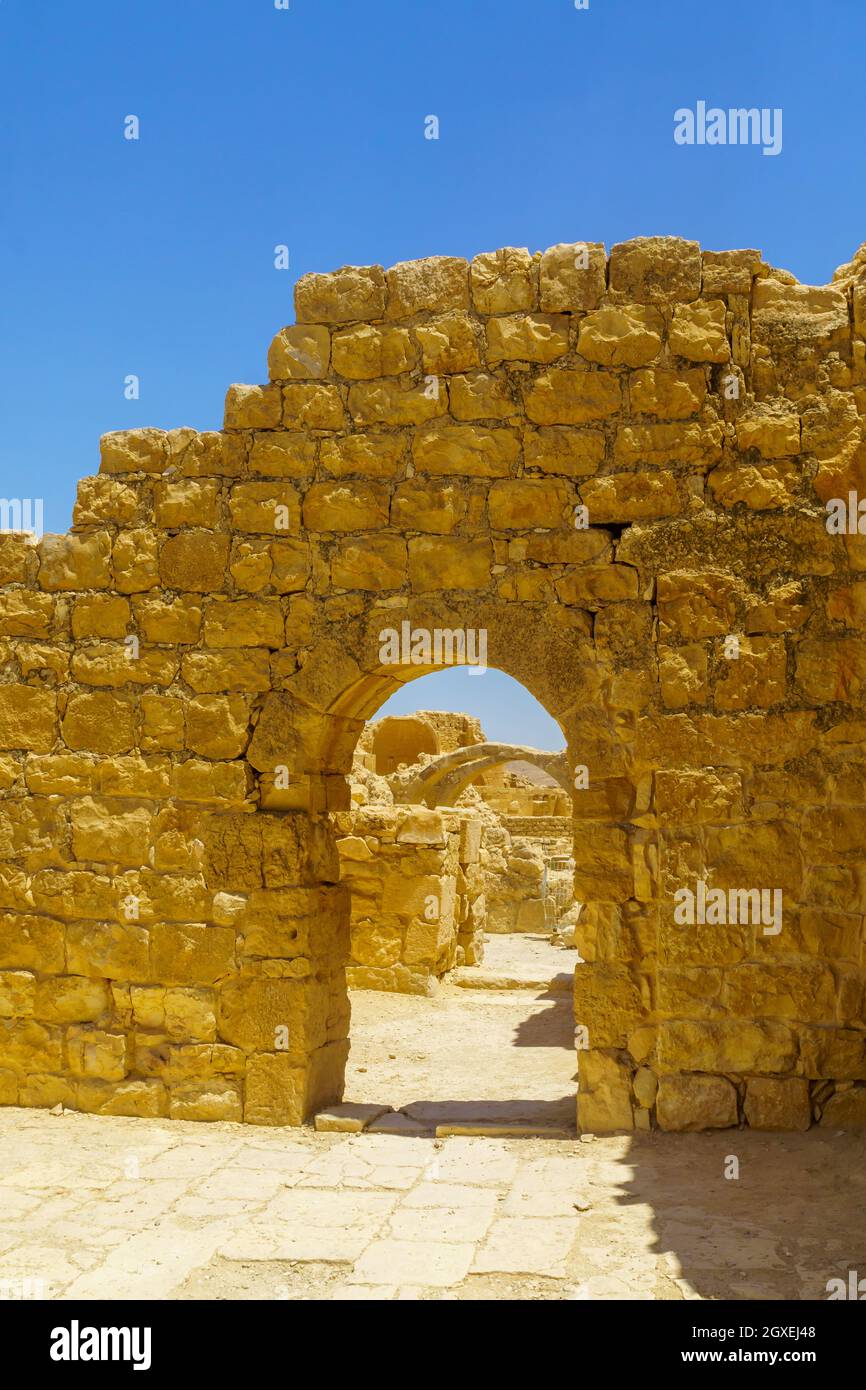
{"x":428,"y":882}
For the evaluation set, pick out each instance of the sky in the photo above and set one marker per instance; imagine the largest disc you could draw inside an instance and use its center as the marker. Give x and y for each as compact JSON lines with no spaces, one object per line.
{"x":304,"y":127}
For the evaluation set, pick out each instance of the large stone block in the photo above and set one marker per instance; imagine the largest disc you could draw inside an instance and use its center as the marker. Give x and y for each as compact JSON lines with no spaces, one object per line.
{"x":275,"y":1091}
{"x":653,"y":269}
{"x":671,"y":395}
{"x":832,"y":1053}
{"x":218,"y":726}
{"x":846,"y":1109}
{"x":757,"y":678}
{"x":832,"y":668}
{"x":27,"y":1046}
{"x":481,"y":396}
{"x":607,"y":1003}
{"x":193,"y":955}
{"x":283,"y":454}
{"x":99,"y":722}
{"x":313,"y":406}
{"x":246,"y":669}
{"x":726,"y":1046}
{"x":194,"y":560}
{"x":422,"y":504}
{"x":108,"y":950}
{"x":189,"y":502}
{"x":365,"y":454}
{"x":527,"y":338}
{"x":695,"y":1102}
{"x":604,"y":1094}
{"x":627,"y":497}
{"x":572,"y":275}
{"x":299,"y":352}
{"x":397,"y":401}
{"x":218,"y":1098}
{"x":24,"y":614}
{"x":110,"y":833}
{"x":95,"y":1053}
{"x":143,"y":1099}
{"x":523,"y":504}
{"x":134,"y":451}
{"x":273,"y":1015}
{"x":71,"y":999}
{"x":440,"y":562}
{"x":449,"y":343}
{"x":696,"y":442}
{"x":435,"y":283}
{"x":353,"y":292}
{"x":101,"y":615}
{"x":346,"y":506}
{"x":162,"y":726}
{"x":466,"y":450}
{"x":554,"y":449}
{"x":777,"y":1104}
{"x":244,"y":622}
{"x":698,"y":331}
{"x":253,"y":408}
{"x":369,"y":351}
{"x":806,"y":993}
{"x":28,"y":718}
{"x":75,"y":562}
{"x":621,"y":335}
{"x":374,"y":563}
{"x":502,"y":281}
{"x":17,"y":993}
{"x":563,"y":396}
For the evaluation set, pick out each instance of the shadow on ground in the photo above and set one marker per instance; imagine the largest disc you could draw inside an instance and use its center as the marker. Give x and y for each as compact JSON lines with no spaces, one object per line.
{"x":793,"y":1218}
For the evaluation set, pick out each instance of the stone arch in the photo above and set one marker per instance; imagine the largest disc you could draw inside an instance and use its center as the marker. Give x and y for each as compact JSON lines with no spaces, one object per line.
{"x":614,"y":467}
{"x":440,"y":781}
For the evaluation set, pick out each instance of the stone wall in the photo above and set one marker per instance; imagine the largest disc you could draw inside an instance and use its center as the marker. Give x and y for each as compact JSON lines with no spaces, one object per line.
{"x":399,"y":741}
{"x":611,"y":466}
{"x":522,"y":801}
{"x":417,"y":889}
{"x":453,"y":730}
{"x":539,"y":827}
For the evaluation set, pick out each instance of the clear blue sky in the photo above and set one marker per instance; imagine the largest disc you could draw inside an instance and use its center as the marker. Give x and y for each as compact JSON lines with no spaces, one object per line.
{"x":305,"y":127}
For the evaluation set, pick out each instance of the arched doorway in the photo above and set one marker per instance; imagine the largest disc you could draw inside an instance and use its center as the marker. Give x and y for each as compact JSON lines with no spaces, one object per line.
{"x":458,"y":1018}
{"x":565,"y":678}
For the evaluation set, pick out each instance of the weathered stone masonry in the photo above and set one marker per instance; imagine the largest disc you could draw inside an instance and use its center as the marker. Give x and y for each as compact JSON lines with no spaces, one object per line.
{"x":173,"y":926}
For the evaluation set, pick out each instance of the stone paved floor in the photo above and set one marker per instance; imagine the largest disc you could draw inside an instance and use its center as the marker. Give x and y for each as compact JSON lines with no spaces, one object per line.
{"x":105,"y":1207}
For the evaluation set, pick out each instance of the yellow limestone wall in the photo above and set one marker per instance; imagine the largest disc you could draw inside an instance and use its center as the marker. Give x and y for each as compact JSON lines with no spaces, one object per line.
{"x":185,"y":676}
{"x":417,"y":891}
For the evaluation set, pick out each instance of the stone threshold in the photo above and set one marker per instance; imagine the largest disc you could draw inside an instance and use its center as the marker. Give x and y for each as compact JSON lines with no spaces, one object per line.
{"x":349,"y":1118}
{"x":473,"y":977}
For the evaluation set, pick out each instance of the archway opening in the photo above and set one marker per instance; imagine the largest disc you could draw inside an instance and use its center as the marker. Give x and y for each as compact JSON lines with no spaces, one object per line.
{"x":456,"y":849}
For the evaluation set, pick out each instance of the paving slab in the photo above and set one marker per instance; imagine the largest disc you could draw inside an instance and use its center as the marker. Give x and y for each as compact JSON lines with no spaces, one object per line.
{"x":348,"y":1119}
{"x":420,"y":1262}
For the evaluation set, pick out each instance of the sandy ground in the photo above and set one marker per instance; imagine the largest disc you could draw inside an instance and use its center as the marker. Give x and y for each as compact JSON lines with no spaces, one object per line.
{"x":483,"y":1053}
{"x":100,"y":1207}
